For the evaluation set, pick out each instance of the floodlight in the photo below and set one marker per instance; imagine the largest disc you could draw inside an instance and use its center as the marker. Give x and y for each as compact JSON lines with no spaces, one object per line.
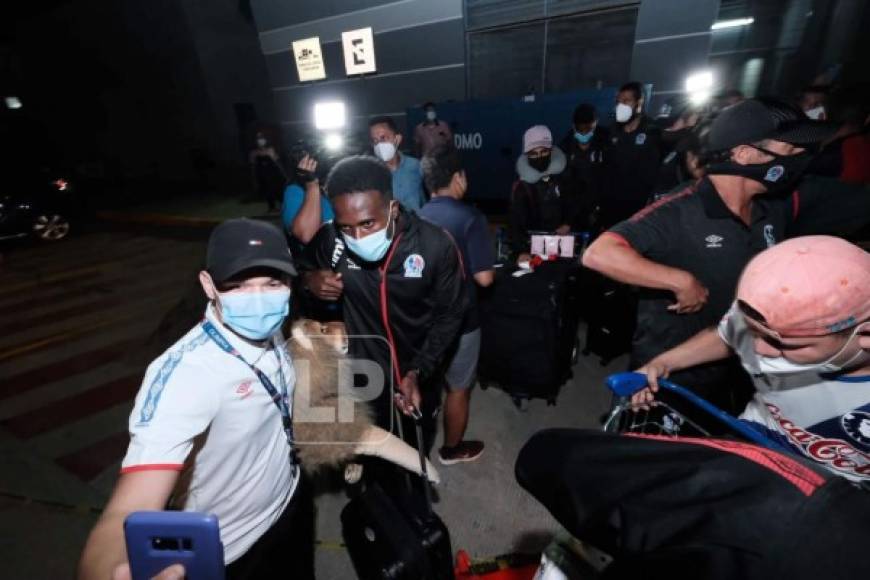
{"x":329,"y":115}
{"x":699,"y":86}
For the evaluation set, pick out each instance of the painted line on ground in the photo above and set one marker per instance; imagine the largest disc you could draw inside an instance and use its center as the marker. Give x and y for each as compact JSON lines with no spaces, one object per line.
{"x":72,"y":409}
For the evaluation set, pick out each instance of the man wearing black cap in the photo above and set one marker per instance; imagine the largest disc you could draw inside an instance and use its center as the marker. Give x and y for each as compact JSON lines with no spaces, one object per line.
{"x":211,"y":428}
{"x":687,"y":250}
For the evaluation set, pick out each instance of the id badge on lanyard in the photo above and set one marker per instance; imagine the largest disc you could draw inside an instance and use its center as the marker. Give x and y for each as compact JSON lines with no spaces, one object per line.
{"x":278,"y":397}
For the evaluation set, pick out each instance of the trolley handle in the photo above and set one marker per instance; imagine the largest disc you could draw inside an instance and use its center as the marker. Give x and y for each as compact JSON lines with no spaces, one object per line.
{"x":627,"y":384}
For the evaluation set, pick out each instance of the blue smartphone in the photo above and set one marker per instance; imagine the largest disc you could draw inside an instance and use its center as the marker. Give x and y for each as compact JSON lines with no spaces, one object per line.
{"x":159,"y":539}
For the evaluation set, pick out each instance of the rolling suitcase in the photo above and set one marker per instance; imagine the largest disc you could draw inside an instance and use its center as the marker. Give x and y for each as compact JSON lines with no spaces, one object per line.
{"x":393,"y":537}
{"x":529,"y":331}
{"x":610,"y":311}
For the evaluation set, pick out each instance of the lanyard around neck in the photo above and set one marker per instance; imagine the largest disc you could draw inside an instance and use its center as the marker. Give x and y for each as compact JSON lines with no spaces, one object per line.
{"x":280,"y":399}
{"x":385,"y":314}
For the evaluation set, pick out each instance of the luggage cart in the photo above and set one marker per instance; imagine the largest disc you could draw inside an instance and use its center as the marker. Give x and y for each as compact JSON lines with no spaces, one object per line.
{"x":662,"y":419}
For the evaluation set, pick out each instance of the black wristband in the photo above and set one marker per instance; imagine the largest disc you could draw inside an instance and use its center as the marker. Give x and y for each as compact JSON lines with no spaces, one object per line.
{"x":305,"y":176}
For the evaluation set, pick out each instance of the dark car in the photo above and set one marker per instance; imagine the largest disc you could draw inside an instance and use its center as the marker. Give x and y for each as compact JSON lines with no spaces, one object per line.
{"x":35,"y":202}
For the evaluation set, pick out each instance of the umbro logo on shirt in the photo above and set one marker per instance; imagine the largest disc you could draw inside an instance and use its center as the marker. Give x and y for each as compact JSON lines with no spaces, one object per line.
{"x":714,"y":241}
{"x":244,"y":390}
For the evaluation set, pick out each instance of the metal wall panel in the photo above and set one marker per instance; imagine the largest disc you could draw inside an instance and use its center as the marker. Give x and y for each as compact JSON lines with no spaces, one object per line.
{"x":590,"y":50}
{"x":397,"y":15}
{"x":419,"y":48}
{"x":271,"y":14}
{"x":506,"y":62}
{"x":562,"y":7}
{"x":489,"y":13}
{"x":396,"y":51}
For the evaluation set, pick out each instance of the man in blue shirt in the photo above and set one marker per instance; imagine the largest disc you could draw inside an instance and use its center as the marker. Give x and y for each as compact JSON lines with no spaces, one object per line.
{"x":407,"y":176}
{"x":302,"y":214}
{"x":304,"y":211}
{"x":447,"y":182}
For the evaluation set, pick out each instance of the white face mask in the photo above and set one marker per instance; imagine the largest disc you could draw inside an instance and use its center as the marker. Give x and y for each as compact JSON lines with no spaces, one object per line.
{"x":816,"y":113}
{"x":261,"y":142}
{"x":385,"y":150}
{"x":431,"y":115}
{"x":782,"y":366}
{"x":623,"y":113}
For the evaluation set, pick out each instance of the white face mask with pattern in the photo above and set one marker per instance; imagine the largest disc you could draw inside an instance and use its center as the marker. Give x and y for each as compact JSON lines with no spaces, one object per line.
{"x":816,"y":113}
{"x":781,"y":366}
{"x":385,"y":150}
{"x":623,"y":112}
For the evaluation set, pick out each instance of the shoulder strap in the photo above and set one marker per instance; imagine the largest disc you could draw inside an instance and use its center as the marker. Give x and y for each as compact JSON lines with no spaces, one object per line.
{"x":337,"y":250}
{"x":279,"y":398}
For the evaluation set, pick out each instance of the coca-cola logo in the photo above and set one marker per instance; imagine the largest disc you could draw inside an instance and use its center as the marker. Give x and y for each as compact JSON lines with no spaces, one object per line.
{"x":835,"y":453}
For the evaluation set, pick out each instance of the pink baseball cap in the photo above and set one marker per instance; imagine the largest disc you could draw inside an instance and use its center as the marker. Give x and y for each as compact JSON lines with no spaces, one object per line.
{"x":537,"y":136}
{"x":809,"y":286}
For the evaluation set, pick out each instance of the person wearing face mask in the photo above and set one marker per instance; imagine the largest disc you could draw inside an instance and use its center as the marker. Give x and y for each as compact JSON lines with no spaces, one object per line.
{"x":401,"y":287}
{"x":687,"y":250}
{"x":635,"y":157}
{"x":800,"y":311}
{"x":448,"y":183}
{"x":800,"y":325}
{"x":212,"y":426}
{"x":539,"y":200}
{"x":407,"y":176}
{"x":812,"y":102}
{"x":431,"y":133}
{"x":587,"y":149}
{"x":267,"y":174}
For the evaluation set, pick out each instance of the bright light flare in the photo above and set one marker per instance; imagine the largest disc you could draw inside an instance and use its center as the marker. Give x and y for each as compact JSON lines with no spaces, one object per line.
{"x":333,"y":142}
{"x":737,"y":22}
{"x":699,"y":86}
{"x":329,"y":115}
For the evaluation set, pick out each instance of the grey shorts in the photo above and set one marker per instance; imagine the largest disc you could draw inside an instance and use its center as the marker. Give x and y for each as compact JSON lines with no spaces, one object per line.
{"x":462,"y":371}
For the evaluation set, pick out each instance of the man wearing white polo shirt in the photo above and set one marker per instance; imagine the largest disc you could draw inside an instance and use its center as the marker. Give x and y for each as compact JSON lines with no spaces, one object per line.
{"x":212,"y":424}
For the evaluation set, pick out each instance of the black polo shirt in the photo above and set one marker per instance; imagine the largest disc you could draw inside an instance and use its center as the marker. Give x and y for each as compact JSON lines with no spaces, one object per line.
{"x":694,"y":230}
{"x":633,"y":170}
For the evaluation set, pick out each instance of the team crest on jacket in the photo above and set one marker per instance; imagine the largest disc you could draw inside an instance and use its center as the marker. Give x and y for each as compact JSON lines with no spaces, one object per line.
{"x":774,"y":173}
{"x":414,"y":265}
{"x":857,"y":425}
{"x":769,"y":238}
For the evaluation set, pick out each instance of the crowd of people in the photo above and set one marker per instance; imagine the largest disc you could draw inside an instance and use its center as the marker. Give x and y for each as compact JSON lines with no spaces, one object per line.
{"x":722,"y":217}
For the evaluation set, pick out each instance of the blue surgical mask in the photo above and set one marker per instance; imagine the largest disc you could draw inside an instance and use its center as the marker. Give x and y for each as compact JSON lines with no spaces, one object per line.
{"x":583,"y":138}
{"x":255,"y":315}
{"x":371,"y":248}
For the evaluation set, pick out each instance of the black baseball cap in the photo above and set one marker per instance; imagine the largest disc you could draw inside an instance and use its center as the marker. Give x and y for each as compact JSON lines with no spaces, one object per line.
{"x":240,"y":244}
{"x":754,"y":120}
